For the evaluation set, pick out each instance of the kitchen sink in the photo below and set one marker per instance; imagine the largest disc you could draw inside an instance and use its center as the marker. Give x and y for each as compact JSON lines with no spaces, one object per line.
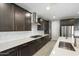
{"x":66,"y":45}
{"x":36,"y":36}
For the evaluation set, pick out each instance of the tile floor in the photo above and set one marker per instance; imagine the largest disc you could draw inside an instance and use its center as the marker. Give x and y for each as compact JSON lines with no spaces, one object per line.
{"x":46,"y":50}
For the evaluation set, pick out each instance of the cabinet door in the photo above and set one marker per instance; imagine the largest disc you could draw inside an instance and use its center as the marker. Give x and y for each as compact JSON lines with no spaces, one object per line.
{"x":44,"y":40}
{"x":28,"y":22}
{"x":9,"y":52}
{"x":19,"y":19}
{"x":67,"y":22}
{"x":24,"y":50}
{"x":46,"y":27}
{"x":76,"y":25}
{"x":6,"y":17}
{"x":41,"y":26}
{"x":28,"y":49}
{"x":13,"y":53}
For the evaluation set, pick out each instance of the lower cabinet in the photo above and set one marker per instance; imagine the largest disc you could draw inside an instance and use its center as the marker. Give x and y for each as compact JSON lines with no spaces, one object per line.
{"x":26,"y":49}
{"x":10,"y":52}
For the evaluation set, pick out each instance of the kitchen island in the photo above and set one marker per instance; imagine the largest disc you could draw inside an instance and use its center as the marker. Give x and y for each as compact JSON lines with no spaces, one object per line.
{"x":65,"y":52}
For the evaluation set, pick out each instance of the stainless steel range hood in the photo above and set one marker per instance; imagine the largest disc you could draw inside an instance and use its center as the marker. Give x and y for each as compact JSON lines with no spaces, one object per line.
{"x":35,"y":18}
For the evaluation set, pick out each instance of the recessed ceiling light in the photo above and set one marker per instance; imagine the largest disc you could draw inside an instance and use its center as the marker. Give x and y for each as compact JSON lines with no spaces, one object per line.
{"x":27,"y":14}
{"x":48,"y":8}
{"x":54,"y":17}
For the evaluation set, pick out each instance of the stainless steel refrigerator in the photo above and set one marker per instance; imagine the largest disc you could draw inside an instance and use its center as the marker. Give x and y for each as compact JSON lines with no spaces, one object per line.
{"x":67,"y":31}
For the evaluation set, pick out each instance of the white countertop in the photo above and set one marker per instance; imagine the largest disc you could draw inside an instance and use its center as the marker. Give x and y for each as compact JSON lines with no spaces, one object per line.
{"x":64,"y":52}
{"x":6,"y":44}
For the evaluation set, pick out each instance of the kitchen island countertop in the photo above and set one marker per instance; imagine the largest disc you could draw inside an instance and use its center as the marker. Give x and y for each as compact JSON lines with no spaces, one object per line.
{"x":64,"y":52}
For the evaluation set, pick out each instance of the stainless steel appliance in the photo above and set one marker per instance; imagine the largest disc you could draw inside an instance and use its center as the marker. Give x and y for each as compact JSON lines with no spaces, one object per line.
{"x":67,"y":31}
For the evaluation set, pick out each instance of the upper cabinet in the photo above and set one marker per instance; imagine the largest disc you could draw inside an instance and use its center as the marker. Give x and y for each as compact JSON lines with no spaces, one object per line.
{"x":6,"y":17}
{"x":13,"y":18}
{"x":67,"y":22}
{"x":44,"y":25}
{"x":19,"y":19}
{"x":41,"y":24}
{"x":28,"y":21}
{"x":76,"y":25}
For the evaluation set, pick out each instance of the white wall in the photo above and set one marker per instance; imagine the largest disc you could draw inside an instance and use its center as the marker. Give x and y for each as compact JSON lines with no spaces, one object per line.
{"x":55,"y":29}
{"x":20,"y":34}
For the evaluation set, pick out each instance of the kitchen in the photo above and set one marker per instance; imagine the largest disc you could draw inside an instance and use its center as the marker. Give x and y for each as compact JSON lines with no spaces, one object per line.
{"x":33,"y":29}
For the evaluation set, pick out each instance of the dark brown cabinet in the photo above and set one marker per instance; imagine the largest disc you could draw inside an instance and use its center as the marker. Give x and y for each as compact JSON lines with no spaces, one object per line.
{"x":41,"y":26}
{"x":76,"y":25}
{"x":19,"y":19}
{"x":32,"y":47}
{"x":10,"y":52}
{"x":13,"y":18}
{"x":26,"y":49}
{"x":6,"y":17}
{"x":46,"y":27}
{"x":28,"y":22}
{"x":67,"y":22}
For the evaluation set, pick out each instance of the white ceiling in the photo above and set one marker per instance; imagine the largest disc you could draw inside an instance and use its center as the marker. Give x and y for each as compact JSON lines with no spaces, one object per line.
{"x":60,"y":10}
